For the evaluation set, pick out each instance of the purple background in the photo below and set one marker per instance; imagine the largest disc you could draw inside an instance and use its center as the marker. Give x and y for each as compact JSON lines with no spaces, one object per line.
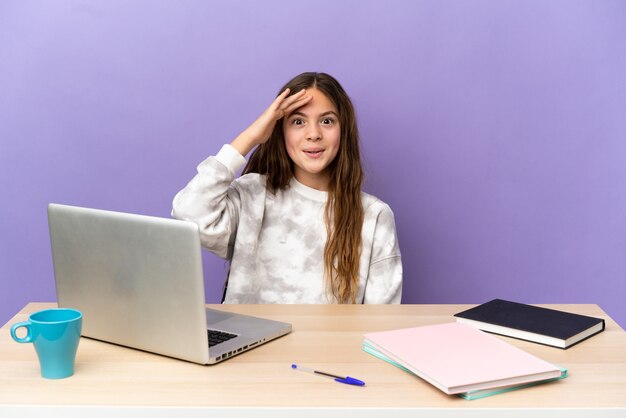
{"x":496,"y":130}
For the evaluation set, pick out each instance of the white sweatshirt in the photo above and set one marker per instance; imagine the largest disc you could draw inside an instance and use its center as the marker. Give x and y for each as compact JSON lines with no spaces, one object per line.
{"x":275,"y":242}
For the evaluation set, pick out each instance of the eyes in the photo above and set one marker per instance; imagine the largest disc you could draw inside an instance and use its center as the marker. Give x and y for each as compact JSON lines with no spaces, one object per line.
{"x":327,"y":120}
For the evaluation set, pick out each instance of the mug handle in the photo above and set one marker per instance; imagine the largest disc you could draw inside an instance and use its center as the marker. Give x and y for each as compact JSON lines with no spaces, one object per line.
{"x":28,"y":338}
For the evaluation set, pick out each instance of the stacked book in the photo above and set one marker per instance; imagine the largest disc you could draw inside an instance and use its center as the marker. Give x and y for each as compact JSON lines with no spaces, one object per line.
{"x":532,"y":323}
{"x":460,"y":359}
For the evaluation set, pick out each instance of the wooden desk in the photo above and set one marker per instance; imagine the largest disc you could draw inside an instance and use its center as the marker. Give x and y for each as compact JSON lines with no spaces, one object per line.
{"x":115,"y":380}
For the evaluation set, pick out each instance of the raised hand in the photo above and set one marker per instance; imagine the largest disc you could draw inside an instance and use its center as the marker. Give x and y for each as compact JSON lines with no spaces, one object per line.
{"x":261,"y":129}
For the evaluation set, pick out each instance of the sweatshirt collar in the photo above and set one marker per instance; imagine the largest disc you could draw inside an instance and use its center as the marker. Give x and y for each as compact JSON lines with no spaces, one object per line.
{"x":307,"y":191}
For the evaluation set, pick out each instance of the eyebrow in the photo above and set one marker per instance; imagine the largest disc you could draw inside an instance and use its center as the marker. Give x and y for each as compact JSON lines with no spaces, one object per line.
{"x":330,"y":112}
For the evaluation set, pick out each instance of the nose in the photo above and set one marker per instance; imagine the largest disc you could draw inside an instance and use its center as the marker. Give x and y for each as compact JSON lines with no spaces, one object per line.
{"x":313,"y":133}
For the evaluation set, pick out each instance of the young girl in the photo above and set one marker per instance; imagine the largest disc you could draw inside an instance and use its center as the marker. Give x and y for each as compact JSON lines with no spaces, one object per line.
{"x":296,"y":226}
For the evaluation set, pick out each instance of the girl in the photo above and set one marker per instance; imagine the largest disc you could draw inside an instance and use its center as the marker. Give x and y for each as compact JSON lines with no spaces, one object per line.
{"x":296,"y":226}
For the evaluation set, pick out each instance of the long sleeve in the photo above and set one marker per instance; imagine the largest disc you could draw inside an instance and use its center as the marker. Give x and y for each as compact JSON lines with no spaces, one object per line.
{"x":212,"y":201}
{"x":384,"y":282}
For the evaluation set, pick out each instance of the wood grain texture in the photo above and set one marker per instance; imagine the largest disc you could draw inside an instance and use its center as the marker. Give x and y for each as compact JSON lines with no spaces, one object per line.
{"x":327,"y":337}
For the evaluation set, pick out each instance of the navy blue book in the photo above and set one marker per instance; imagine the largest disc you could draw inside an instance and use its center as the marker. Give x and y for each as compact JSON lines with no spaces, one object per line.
{"x":532,"y":323}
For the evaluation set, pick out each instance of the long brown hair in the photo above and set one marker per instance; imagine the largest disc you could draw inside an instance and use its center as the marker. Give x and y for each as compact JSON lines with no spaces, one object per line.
{"x":344,"y":210}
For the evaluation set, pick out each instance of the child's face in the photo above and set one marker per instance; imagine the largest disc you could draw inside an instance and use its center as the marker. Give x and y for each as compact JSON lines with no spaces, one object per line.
{"x":312,"y":136}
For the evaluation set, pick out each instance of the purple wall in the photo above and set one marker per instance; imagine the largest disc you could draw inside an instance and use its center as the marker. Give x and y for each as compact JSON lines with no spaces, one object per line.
{"x":496,"y":130}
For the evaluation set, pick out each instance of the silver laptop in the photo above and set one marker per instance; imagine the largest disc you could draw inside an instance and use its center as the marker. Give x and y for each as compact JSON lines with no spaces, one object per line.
{"x":138,"y":282}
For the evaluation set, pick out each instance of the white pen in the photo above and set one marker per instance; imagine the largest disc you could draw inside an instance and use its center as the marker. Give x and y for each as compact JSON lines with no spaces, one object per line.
{"x":347,"y":379}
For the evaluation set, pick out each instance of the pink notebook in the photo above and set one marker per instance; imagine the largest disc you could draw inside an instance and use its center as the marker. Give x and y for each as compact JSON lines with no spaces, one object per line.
{"x":457,"y":358}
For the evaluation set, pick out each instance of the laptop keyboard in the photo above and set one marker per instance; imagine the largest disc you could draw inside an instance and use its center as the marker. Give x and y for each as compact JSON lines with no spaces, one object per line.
{"x":216,"y":337}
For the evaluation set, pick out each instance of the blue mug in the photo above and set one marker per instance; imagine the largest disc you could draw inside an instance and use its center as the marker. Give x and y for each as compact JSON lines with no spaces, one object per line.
{"x":55,"y":333}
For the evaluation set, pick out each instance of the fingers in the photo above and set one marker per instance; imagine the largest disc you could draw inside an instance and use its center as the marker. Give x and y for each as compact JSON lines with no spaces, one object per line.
{"x":297,"y":104}
{"x":285,"y":104}
{"x":295,"y":101}
{"x":280,"y":98}
{"x":282,"y":95}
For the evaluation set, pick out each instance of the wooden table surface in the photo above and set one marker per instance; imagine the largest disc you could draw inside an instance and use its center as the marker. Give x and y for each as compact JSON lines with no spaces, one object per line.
{"x":327,"y":337}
